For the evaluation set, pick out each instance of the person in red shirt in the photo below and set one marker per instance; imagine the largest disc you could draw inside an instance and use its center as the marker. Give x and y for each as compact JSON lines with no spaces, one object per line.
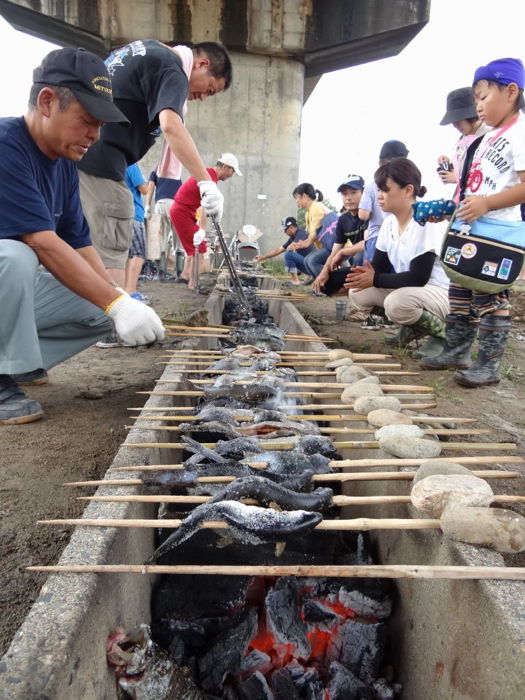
{"x":183,"y":214}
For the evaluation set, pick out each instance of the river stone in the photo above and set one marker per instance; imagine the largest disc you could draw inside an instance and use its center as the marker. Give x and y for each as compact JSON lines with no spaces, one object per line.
{"x":400,"y":429}
{"x":365,"y":404}
{"x":409,"y":447}
{"x":384,"y":416}
{"x":434,"y":493}
{"x":359,"y":389}
{"x":349,"y":375}
{"x":370,"y":379}
{"x":439,"y":466}
{"x":497,"y":528}
{"x":339,"y":363}
{"x":338,"y":353}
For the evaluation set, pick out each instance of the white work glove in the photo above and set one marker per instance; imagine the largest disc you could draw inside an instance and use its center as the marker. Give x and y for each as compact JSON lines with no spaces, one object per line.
{"x":135,"y":323}
{"x":212,"y":199}
{"x":147,"y":211}
{"x":198,"y":237}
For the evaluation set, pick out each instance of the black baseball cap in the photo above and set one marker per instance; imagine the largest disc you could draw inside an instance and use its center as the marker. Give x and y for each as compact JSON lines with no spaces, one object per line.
{"x":86,"y":76}
{"x":393,"y":149}
{"x":289,"y":221}
{"x":355,"y":182}
{"x":460,"y":105}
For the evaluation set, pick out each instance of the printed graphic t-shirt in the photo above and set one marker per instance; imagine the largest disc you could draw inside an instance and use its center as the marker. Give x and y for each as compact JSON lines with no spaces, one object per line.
{"x":147,"y":77}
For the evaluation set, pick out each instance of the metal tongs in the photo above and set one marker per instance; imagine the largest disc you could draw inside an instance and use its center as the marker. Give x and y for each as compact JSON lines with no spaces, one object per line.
{"x":236,"y":282}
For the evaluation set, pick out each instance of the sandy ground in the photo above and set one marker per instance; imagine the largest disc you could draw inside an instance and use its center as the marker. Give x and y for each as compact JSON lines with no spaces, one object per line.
{"x":86,"y":405}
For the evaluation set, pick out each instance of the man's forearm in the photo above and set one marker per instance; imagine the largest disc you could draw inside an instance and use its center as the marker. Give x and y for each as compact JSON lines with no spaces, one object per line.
{"x":91,"y":256}
{"x":182,"y":145}
{"x":71,"y":268}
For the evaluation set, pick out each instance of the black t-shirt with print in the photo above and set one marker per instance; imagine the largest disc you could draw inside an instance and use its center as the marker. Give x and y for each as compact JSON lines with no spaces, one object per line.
{"x":147,"y":77}
{"x":350,"y":229}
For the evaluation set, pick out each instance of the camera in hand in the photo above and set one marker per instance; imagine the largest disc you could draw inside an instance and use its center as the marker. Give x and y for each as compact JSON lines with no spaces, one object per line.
{"x":446,"y":165}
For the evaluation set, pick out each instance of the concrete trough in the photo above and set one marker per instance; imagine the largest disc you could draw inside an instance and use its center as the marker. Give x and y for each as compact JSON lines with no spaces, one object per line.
{"x":451,"y":639}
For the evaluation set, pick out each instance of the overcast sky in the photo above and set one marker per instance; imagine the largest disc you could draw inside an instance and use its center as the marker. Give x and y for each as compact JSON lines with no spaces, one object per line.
{"x":353,"y":111}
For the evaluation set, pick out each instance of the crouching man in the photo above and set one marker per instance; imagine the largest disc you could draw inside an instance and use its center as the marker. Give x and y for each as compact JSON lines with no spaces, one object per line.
{"x":56,"y":297}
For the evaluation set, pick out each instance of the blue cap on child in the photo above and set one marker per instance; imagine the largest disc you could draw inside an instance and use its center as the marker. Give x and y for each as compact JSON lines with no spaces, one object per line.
{"x":502,"y":70}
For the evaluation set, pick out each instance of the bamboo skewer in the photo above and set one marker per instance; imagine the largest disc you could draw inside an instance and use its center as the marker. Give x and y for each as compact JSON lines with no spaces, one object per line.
{"x":227,"y":329}
{"x":310,"y":394}
{"x":289,"y":385}
{"x":323,"y":431}
{"x":392,"y":571}
{"x":306,"y":373}
{"x":354,"y":444}
{"x":340,"y":501}
{"x":304,"y":354}
{"x":319,"y":417}
{"x":351,"y":463}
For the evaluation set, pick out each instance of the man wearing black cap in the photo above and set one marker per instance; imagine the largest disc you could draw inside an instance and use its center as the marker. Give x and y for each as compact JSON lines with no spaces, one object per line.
{"x":152,"y":83}
{"x":293,"y":260}
{"x":49,"y":313}
{"x":349,"y":239}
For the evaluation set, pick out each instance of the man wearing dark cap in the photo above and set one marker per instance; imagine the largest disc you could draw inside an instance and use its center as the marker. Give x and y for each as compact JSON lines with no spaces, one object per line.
{"x":56,"y":297}
{"x":293,"y":259}
{"x":349,"y":239}
{"x":152,"y":83}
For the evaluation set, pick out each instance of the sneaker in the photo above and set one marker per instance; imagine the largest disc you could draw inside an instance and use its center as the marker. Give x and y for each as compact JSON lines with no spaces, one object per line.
{"x":167,"y":277}
{"x":308,"y":281}
{"x":15,"y":406}
{"x":37,"y":376}
{"x":113,"y":341}
{"x":357,"y":316}
{"x":373,"y":323}
{"x":140,"y":297}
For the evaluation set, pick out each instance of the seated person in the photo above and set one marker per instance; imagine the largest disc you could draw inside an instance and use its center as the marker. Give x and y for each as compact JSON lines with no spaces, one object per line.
{"x":293,"y":260}
{"x":415,"y":295}
{"x":349,"y":242}
{"x":311,"y":200}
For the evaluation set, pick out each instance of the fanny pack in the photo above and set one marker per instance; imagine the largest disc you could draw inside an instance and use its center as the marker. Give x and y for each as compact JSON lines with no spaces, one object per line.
{"x":486,"y":255}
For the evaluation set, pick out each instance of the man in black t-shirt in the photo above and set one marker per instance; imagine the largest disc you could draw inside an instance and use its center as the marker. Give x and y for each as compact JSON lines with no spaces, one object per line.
{"x":349,"y":242}
{"x":151,"y":84}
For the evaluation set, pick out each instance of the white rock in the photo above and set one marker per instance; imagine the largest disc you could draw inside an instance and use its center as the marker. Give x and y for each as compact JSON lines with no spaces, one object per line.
{"x":439,"y":466}
{"x":384,"y":416}
{"x":339,"y":363}
{"x":400,"y":429}
{"x":433,"y":494}
{"x":349,"y":375}
{"x":411,"y":447}
{"x":338,"y":353}
{"x":497,"y":528}
{"x":365,"y":404}
{"x":370,"y":379}
{"x":360,"y":389}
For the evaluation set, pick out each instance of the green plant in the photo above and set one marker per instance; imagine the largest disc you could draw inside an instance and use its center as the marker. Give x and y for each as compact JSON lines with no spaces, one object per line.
{"x":274,"y":266}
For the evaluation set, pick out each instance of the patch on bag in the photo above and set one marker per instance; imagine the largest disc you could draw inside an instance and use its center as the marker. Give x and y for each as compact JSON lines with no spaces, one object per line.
{"x":504,"y":269}
{"x":469,"y":250}
{"x":489,"y":268}
{"x":452,"y":255}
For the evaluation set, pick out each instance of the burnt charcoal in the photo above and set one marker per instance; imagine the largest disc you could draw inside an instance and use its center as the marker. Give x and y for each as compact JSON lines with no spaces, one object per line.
{"x":310,"y":685}
{"x":255,"y":688}
{"x":256,"y":661}
{"x":368,"y":597}
{"x":283,"y":616}
{"x":345,"y":685}
{"x":358,"y":646}
{"x":225,"y":654}
{"x":382,"y":690}
{"x":238,"y":448}
{"x":266,"y":492}
{"x":216,"y":430}
{"x":249,"y":524}
{"x":265,"y":336}
{"x":316,"y":444}
{"x":319,"y":616}
{"x":282,"y":685}
{"x":249,"y":281}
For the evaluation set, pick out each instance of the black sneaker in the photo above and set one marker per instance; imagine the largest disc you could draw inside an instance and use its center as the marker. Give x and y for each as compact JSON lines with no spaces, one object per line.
{"x":37,"y":376}
{"x":15,"y":406}
{"x":373,"y":323}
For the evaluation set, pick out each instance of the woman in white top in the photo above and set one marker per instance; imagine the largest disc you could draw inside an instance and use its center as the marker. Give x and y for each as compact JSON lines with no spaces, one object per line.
{"x":405,"y":276}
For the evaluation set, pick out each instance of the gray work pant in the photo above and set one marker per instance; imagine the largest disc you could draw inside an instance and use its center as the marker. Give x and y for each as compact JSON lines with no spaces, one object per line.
{"x":42,"y":322}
